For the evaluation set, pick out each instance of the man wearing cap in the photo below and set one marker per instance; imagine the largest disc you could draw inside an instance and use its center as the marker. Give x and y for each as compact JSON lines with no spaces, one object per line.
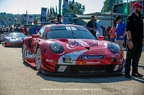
{"x":120,"y":31}
{"x":134,"y":28}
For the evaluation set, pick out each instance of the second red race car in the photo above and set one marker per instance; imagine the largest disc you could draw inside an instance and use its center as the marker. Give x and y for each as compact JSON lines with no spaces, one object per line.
{"x":71,"y":49}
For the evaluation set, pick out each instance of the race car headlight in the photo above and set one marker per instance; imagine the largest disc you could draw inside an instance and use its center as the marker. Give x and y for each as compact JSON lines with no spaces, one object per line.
{"x":67,"y":60}
{"x":56,"y":47}
{"x":113,"y":48}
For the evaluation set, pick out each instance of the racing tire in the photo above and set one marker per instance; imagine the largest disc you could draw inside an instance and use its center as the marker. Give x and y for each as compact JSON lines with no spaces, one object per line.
{"x":38,"y":60}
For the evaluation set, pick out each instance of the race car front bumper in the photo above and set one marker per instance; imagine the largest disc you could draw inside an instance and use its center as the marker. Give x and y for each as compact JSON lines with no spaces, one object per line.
{"x":14,"y":43}
{"x":86,"y":70}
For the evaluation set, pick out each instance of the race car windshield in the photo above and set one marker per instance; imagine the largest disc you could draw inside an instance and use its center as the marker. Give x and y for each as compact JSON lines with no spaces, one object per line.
{"x":70,"y":32}
{"x":16,"y":35}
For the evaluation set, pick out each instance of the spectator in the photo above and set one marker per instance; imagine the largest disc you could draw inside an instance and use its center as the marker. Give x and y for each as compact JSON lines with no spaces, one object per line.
{"x":59,"y":18}
{"x":21,"y":29}
{"x":112,"y":33}
{"x":120,"y":31}
{"x":99,"y":29}
{"x":107,"y":32}
{"x":11,"y":29}
{"x":103,"y":29}
{"x":51,"y":22}
{"x":17,"y":29}
{"x":25,"y":31}
{"x":7,"y":29}
{"x":134,"y":28}
{"x":91,"y":26}
{"x":1,"y":30}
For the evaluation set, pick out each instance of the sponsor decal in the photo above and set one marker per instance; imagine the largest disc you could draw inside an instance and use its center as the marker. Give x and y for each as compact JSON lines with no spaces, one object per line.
{"x":70,"y":46}
{"x":49,"y":60}
{"x":62,"y":68}
{"x":29,"y":54}
{"x":92,"y":62}
{"x":113,"y":55}
{"x":73,"y":43}
{"x":100,"y":42}
{"x":92,"y":56}
{"x":72,"y":55}
{"x":34,"y":38}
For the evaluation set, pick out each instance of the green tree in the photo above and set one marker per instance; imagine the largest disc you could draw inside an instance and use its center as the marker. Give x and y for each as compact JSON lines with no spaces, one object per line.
{"x":108,"y":4}
{"x":76,"y":8}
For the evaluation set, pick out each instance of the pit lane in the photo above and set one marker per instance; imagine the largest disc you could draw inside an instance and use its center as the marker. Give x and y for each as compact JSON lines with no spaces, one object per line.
{"x":18,"y":78}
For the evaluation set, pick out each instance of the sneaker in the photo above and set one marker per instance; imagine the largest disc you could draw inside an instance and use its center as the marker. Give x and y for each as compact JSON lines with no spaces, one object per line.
{"x":128,"y":76}
{"x":137,"y":75}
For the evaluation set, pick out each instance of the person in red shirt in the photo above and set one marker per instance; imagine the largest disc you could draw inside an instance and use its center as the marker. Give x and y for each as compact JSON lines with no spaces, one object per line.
{"x":25,"y":31}
{"x":112,"y":33}
{"x":107,"y":32}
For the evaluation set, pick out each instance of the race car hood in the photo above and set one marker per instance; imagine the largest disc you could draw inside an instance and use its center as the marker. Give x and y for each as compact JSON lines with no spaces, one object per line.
{"x":82,"y":44}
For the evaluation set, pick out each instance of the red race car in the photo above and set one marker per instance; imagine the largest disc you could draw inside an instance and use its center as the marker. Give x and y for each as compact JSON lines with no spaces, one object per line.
{"x":71,"y":49}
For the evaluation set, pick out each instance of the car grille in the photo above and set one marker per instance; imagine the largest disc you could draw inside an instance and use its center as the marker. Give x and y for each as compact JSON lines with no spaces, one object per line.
{"x":78,"y":69}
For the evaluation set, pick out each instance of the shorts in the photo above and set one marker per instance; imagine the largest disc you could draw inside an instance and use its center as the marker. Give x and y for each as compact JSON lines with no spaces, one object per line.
{"x":120,"y":43}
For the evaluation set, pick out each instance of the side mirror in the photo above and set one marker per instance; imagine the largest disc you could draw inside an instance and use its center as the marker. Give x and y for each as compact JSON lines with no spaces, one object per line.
{"x":100,"y":37}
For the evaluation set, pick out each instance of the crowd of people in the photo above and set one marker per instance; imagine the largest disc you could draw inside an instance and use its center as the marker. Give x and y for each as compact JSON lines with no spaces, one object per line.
{"x":24,"y":29}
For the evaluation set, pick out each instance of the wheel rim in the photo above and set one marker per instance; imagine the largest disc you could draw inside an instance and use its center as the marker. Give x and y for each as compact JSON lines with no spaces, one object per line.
{"x":38,"y":59}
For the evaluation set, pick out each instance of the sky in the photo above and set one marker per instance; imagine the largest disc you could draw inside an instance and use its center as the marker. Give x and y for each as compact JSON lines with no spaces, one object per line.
{"x":34,"y":6}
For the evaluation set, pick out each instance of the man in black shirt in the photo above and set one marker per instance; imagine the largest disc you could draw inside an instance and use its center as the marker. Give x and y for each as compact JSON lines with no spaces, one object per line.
{"x":17,"y":29}
{"x":134,"y":28}
{"x":91,"y":26}
{"x":59,"y":18}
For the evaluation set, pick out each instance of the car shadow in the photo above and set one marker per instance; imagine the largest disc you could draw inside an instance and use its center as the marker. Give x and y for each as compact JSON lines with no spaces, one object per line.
{"x":85,"y":78}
